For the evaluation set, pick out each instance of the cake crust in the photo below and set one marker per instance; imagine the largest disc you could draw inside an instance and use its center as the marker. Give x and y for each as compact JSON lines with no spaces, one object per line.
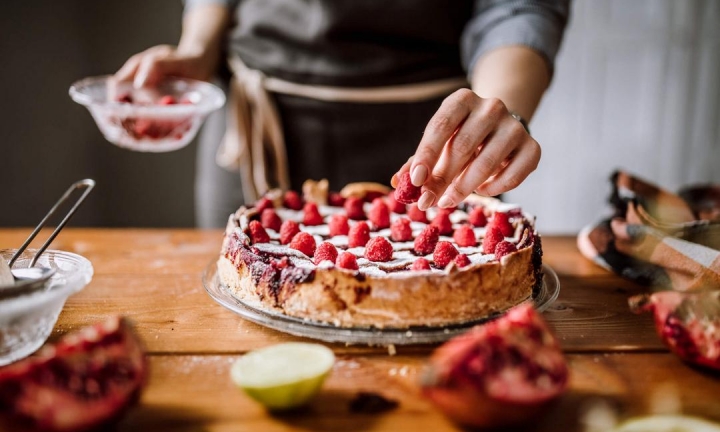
{"x":282,"y":280}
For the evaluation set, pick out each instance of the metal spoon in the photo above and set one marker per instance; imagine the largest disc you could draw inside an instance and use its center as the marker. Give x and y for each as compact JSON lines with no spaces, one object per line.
{"x":35,"y":278}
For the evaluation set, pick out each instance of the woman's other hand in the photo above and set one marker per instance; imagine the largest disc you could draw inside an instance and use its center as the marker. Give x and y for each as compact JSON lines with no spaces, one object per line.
{"x":196,"y":56}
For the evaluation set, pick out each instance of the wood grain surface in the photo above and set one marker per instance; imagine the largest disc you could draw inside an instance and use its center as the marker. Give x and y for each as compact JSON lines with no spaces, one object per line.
{"x":154,"y":277}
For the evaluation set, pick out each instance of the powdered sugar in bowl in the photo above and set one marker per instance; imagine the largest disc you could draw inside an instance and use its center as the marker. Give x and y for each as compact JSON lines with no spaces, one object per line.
{"x":158,"y":119}
{"x":26,"y":320}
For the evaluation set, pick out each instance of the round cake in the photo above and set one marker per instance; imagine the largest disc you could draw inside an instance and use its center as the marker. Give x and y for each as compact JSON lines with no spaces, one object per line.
{"x":361,"y":258}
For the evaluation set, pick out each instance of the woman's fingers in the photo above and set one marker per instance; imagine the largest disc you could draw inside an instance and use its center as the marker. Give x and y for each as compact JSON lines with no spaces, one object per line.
{"x":519,"y":167}
{"x":127,"y":71}
{"x":441,"y":127}
{"x":396,"y":176}
{"x":490,"y":158}
{"x":463,"y":147}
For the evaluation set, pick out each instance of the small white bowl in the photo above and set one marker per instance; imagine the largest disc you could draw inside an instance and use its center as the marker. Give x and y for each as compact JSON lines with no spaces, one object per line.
{"x":143,"y":124}
{"x":26,"y":321}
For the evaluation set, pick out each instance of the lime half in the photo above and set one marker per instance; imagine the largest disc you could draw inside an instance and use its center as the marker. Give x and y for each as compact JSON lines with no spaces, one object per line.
{"x":667,"y":423}
{"x":283,"y":376}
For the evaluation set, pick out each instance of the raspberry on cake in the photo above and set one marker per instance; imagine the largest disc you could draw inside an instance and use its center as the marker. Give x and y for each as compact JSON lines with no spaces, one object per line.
{"x":311,"y":215}
{"x":288,"y":229}
{"x":338,"y":225}
{"x":400,"y":230}
{"x":464,"y":236}
{"x":304,"y":243}
{"x":426,"y":241}
{"x":354,"y":208}
{"x":444,"y":253}
{"x":379,"y":214}
{"x":359,"y":234}
{"x":347,"y":261}
{"x":327,"y":266}
{"x":270,"y":219}
{"x":378,"y":249}
{"x":416,"y":215}
{"x":325,"y":252}
{"x":420,"y":264}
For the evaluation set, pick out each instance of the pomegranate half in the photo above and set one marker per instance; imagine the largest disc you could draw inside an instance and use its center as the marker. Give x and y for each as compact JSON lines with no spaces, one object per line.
{"x":499,"y":373}
{"x":84,"y":381}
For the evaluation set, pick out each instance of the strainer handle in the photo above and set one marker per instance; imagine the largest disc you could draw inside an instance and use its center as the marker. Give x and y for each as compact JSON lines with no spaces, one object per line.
{"x":88,"y":185}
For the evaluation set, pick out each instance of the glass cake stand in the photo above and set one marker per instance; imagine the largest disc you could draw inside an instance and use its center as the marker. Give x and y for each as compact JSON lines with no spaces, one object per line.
{"x":541,"y":298}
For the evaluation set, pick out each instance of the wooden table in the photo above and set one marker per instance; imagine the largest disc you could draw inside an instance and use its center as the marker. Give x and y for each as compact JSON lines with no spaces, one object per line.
{"x":153,"y":276}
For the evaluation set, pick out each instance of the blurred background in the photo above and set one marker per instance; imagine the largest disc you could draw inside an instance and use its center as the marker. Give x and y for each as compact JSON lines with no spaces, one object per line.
{"x":636,"y":86}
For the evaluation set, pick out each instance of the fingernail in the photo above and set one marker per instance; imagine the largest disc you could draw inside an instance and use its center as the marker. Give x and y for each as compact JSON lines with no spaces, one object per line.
{"x":393,"y":181}
{"x":426,"y":200}
{"x":446,"y":202}
{"x":418,"y":175}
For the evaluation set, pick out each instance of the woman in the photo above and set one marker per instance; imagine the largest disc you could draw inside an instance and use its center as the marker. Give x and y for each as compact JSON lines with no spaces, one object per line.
{"x":347,"y":90}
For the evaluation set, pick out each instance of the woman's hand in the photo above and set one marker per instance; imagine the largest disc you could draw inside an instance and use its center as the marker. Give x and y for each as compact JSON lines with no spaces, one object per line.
{"x":152,"y":65}
{"x":470,"y":145}
{"x":196,"y":56}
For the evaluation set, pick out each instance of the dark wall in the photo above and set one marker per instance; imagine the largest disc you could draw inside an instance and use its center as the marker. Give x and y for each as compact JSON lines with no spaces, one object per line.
{"x":47,"y":141}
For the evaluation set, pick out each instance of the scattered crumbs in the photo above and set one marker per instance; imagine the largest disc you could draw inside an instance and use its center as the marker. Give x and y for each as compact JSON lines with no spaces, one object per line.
{"x":392,"y":372}
{"x":404,"y":370}
{"x":371,"y":403}
{"x":408,"y":333}
{"x":596,"y":359}
{"x":157,"y":336}
{"x":391,"y":350}
{"x":446,"y":331}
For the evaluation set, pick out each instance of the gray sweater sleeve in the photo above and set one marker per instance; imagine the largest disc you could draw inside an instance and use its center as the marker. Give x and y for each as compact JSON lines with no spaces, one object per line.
{"x":538,"y":24}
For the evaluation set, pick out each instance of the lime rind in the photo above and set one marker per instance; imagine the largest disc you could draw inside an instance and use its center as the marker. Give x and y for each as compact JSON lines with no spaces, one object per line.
{"x":283,"y":376}
{"x":667,"y":423}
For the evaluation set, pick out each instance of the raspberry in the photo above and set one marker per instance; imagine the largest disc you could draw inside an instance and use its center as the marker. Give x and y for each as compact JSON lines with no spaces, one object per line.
{"x":426,"y":241}
{"x":416,"y":215}
{"x":303,"y":242}
{"x":504,"y":248}
{"x":338,"y":225}
{"x":167,"y":100}
{"x":406,"y":192}
{"x":262,"y":204}
{"x":420,"y":264}
{"x":464,"y":236}
{"x":359,"y":235}
{"x":379,"y":214}
{"x":444,"y":253}
{"x":379,"y":249}
{"x":394,"y":205}
{"x":326,"y":251}
{"x":347,"y":261}
{"x":270,"y":219}
{"x":371,"y":195}
{"x":288,"y":230}
{"x":502,"y":221}
{"x":311,"y":215}
{"x":493,"y":236}
{"x":258,"y":233}
{"x":400,"y":230}
{"x":462,"y":260}
{"x":477,"y":217}
{"x":354,"y":208}
{"x":292,"y":200}
{"x":335,"y":199}
{"x":124,"y":98}
{"x":442,"y":222}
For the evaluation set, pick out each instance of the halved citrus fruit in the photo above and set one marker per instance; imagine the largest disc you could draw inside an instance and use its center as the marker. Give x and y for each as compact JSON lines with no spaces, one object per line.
{"x":283,"y":376}
{"x":667,"y":423}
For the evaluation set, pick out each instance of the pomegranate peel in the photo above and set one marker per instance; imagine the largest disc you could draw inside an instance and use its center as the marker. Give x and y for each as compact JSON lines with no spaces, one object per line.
{"x":500,"y":373}
{"x":84,"y":381}
{"x":688,"y":323}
